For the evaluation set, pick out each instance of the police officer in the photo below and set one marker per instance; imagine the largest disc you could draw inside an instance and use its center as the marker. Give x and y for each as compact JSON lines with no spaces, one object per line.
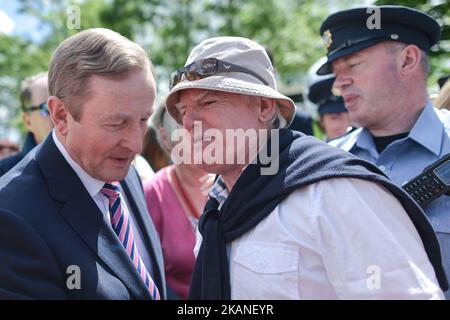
{"x":333,"y":116}
{"x":379,"y":56}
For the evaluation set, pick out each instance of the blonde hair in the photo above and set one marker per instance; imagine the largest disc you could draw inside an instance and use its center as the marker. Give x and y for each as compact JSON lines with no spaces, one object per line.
{"x":91,"y":52}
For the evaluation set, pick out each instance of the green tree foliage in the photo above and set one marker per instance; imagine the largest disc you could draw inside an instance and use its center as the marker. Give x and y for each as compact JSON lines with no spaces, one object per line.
{"x":168,"y":29}
{"x":18,"y":59}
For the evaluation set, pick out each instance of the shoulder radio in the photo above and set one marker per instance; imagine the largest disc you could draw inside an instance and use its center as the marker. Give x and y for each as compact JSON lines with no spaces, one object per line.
{"x":432,"y":183}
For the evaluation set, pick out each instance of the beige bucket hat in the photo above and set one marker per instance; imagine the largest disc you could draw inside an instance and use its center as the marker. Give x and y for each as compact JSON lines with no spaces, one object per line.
{"x":241,"y":52}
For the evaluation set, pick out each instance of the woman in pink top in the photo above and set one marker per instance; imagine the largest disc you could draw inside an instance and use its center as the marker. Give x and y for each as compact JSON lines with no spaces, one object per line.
{"x":175,"y":197}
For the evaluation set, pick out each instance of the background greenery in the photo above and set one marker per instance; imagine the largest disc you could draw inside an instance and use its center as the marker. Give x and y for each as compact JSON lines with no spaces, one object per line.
{"x":168,"y":29}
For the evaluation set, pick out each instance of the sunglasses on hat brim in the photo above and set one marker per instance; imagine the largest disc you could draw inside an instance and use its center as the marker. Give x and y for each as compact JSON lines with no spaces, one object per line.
{"x":208,"y":67}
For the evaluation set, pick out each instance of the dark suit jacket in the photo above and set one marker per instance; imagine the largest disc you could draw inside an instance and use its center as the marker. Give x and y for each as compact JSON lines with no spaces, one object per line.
{"x":48,"y":222}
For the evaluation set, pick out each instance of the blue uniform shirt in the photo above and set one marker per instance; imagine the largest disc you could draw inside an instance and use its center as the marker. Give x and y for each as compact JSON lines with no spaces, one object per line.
{"x":404,"y":159}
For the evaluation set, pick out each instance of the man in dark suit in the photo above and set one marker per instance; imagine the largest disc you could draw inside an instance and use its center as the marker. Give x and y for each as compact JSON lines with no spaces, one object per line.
{"x":68,"y":228}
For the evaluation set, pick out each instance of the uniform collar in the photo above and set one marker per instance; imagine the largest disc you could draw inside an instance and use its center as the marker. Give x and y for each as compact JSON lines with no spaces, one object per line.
{"x":427,"y":131}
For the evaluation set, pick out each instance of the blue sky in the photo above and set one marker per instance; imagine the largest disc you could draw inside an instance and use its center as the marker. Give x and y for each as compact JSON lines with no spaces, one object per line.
{"x":24,"y":25}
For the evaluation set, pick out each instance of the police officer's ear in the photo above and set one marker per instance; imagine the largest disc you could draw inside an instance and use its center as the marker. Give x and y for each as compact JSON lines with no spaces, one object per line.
{"x":409,"y":60}
{"x":59,"y":114}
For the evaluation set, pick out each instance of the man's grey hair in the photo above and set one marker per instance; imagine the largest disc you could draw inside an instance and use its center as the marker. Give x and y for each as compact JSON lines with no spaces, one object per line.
{"x":91,"y":52}
{"x":26,"y":88}
{"x":277,"y":120}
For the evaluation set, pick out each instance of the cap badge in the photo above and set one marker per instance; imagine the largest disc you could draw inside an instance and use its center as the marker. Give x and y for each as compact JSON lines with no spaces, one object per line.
{"x":327,"y":38}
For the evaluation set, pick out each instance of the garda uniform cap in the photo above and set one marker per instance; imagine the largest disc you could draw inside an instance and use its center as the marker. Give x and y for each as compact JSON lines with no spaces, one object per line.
{"x":321,"y":94}
{"x":244,"y":53}
{"x":348,"y":31}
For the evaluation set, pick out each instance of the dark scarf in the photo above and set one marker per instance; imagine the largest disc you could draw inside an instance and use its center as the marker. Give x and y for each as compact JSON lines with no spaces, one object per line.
{"x":303,"y":160}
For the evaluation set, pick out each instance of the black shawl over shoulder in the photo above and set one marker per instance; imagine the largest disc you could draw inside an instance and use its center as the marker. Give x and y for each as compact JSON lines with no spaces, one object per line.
{"x":303,"y":160}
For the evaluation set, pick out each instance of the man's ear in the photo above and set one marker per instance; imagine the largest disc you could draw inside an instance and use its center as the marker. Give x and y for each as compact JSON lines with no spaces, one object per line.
{"x":409,"y":60}
{"x":268,"y":109}
{"x":59,"y":114}
{"x":27,"y":121}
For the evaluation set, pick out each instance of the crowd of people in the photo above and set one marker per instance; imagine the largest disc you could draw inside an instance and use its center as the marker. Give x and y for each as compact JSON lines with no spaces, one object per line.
{"x":253,"y":206}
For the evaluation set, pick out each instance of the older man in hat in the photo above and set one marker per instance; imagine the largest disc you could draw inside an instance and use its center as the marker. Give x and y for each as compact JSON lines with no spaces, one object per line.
{"x":316,"y":228}
{"x":381,"y":69}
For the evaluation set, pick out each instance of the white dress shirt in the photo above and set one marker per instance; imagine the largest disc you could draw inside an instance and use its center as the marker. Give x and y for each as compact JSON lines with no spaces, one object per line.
{"x":93,"y":187}
{"x":335,"y":239}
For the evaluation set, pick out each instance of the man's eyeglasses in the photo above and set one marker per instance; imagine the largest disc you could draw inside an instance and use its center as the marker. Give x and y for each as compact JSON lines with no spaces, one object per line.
{"x":208,"y":67}
{"x":43,"y":108}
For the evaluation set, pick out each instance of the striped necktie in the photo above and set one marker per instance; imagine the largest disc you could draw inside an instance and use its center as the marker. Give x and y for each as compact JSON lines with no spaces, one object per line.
{"x":120,"y":222}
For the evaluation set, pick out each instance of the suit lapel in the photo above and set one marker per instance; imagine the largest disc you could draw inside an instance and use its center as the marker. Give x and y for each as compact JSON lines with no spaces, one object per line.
{"x":86,"y":219}
{"x":81,"y":212}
